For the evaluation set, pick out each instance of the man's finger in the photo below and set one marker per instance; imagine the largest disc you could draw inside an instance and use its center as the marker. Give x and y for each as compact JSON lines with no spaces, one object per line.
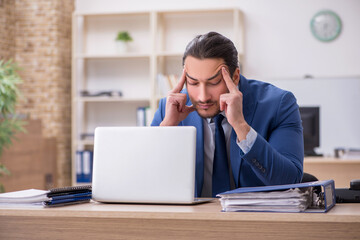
{"x":178,"y":99}
{"x":189,"y":109}
{"x":180,"y":84}
{"x":228,"y":81}
{"x":223,"y":101}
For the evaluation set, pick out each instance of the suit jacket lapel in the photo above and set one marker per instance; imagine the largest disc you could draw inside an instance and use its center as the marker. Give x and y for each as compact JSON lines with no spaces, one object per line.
{"x":249,"y":106}
{"x":195,"y":120}
{"x":249,"y":101}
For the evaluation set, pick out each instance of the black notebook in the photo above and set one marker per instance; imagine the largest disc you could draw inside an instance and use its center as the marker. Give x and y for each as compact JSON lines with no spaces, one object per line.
{"x":68,"y":195}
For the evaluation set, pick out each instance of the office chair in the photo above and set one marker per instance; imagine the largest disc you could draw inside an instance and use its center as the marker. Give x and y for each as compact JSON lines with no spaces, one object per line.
{"x":307,"y":177}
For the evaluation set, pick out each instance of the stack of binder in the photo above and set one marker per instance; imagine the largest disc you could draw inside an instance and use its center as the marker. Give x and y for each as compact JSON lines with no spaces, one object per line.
{"x":301,"y":197}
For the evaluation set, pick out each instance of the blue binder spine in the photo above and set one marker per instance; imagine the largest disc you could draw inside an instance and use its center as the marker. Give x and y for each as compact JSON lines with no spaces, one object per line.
{"x":87,"y":166}
{"x":79,"y":166}
{"x":329,"y":194}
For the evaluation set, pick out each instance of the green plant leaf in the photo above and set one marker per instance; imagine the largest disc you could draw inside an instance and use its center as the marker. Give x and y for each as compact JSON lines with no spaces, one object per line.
{"x":124,"y":36}
{"x":10,"y":123}
{"x":3,"y":170}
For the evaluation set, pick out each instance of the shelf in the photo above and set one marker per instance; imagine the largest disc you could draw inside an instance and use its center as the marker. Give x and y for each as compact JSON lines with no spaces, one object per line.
{"x":192,"y":11}
{"x":111,"y":99}
{"x":113,"y":56}
{"x":170,"y":54}
{"x":97,"y":14}
{"x":85,"y":142}
{"x":182,"y":11}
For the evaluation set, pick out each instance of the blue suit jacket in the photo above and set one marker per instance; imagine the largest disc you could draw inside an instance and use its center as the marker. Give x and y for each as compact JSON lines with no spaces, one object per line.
{"x":277,"y":154}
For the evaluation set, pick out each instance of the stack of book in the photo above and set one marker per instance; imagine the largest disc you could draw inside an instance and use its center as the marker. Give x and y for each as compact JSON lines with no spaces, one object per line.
{"x":302,"y":197}
{"x":47,"y":198}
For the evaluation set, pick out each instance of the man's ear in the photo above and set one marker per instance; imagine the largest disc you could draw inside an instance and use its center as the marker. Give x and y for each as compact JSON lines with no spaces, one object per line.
{"x":236,"y":76}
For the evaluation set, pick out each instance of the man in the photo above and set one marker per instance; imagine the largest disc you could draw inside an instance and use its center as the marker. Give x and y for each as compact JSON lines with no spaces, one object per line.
{"x":259,"y":123}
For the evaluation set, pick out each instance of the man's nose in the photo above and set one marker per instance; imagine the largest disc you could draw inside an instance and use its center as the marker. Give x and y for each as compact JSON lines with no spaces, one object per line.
{"x":204,"y":95}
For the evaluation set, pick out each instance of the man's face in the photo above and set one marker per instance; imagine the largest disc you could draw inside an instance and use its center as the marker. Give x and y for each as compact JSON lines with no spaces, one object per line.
{"x":205,"y":84}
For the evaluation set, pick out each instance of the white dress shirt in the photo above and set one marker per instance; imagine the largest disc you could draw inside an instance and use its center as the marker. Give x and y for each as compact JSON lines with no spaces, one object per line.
{"x":209,"y":149}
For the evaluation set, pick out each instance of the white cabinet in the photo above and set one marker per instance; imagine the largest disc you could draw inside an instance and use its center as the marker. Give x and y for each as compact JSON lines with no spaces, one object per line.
{"x":160,"y":38}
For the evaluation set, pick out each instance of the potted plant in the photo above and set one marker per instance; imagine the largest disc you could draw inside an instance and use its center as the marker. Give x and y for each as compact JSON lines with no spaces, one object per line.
{"x":122,"y":40}
{"x":10,"y":123}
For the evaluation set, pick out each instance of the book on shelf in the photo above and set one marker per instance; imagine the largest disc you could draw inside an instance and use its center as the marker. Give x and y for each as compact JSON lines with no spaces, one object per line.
{"x":84,"y":166}
{"x":316,"y":196}
{"x":166,"y":83}
{"x":47,"y":198}
{"x":172,"y":79}
{"x":143,"y":117}
{"x":111,"y":93}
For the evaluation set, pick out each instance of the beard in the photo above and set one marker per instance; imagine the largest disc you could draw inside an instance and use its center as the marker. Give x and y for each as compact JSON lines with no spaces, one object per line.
{"x":211,"y":112}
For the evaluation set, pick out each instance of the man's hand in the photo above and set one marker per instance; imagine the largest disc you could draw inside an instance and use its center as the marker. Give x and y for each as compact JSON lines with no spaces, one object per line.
{"x":176,"y":109}
{"x":232,"y":104}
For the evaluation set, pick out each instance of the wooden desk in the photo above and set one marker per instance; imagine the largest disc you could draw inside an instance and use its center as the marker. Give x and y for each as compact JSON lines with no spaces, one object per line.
{"x":342,"y":171}
{"x":205,"y":221}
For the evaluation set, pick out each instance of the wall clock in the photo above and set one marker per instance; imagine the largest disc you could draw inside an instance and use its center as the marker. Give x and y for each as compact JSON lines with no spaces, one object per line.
{"x":326,"y":25}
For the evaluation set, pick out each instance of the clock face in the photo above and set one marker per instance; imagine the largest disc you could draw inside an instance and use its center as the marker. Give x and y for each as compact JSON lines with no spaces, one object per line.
{"x":326,"y":26}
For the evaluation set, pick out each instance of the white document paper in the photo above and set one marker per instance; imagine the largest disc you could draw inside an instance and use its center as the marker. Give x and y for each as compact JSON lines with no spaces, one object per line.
{"x":24,"y":196}
{"x":292,"y":200}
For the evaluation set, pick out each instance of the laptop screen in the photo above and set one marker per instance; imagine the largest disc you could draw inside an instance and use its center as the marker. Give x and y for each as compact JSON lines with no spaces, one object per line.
{"x":144,"y":164}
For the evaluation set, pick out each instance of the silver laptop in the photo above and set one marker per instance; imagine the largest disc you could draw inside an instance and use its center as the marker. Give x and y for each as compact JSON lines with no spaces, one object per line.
{"x":145,"y":165}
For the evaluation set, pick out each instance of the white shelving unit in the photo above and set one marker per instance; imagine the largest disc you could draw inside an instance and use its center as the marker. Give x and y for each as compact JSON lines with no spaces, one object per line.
{"x":160,"y":38}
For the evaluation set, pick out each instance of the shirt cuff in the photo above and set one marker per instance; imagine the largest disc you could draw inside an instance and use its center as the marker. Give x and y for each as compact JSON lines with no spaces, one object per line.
{"x":246,"y":144}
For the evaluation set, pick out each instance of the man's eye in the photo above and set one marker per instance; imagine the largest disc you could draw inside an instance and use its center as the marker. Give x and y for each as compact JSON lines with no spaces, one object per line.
{"x":213,"y":83}
{"x":193,"y":83}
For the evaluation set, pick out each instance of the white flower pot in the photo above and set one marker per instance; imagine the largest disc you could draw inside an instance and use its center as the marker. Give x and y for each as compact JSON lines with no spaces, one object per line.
{"x":122,"y":47}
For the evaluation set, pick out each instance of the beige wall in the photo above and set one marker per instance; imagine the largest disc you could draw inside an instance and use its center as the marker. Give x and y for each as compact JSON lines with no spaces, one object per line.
{"x":37,"y":35}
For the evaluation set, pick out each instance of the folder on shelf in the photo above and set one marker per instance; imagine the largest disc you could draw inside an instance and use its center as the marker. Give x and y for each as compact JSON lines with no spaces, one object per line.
{"x":318,"y":196}
{"x":163,"y":84}
{"x":143,"y":117}
{"x":84,"y":163}
{"x":78,"y":166}
{"x":87,"y":166}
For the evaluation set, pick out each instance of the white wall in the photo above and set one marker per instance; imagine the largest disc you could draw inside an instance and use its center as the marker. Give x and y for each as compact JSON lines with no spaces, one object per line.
{"x":338,"y":99}
{"x":279,"y":43}
{"x":280,"y":48}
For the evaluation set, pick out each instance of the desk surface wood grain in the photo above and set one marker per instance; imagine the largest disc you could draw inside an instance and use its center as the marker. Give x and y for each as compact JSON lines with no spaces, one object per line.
{"x":204,"y":221}
{"x":341,"y":212}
